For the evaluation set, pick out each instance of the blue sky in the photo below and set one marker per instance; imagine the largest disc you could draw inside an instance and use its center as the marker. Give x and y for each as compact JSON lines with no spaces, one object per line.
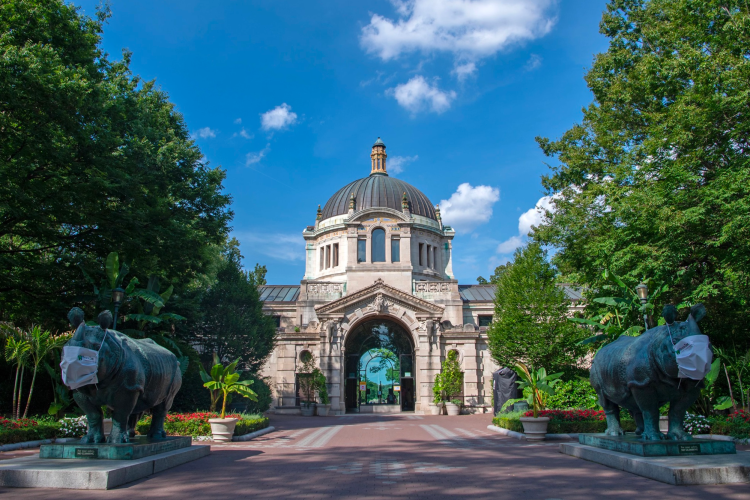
{"x":288,"y":97}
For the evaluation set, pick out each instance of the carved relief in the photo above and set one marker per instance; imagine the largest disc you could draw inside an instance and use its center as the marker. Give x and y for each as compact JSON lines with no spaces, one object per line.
{"x":432,"y":287}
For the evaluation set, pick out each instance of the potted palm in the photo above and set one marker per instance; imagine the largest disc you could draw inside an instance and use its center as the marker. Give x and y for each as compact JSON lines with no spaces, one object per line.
{"x":452,"y":379}
{"x":538,"y":383}
{"x":226,"y":381}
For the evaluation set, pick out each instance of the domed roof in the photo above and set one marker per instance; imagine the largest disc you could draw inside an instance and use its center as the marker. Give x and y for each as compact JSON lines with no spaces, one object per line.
{"x":379,"y":191}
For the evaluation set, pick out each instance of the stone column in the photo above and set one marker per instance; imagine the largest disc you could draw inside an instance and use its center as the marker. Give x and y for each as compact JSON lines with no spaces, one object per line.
{"x":448,"y":259}
{"x":405,"y":247}
{"x":471,"y":363}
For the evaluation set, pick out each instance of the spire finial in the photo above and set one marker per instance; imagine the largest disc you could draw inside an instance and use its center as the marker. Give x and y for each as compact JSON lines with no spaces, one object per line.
{"x":352,"y":202}
{"x":319,"y":216}
{"x":404,"y":202}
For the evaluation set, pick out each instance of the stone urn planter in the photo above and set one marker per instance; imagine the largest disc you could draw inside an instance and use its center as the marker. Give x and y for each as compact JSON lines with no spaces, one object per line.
{"x":535,"y":429}
{"x":452,"y":408}
{"x":435,"y":409}
{"x":308,"y":411}
{"x":222,"y":429}
{"x":323,"y":410}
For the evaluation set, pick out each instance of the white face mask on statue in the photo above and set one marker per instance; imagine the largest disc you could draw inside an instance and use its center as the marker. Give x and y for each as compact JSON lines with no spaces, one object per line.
{"x":693,"y":356}
{"x":80,"y":365}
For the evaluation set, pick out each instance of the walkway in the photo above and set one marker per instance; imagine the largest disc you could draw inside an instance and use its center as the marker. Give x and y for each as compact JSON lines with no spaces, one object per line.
{"x":391,"y":456}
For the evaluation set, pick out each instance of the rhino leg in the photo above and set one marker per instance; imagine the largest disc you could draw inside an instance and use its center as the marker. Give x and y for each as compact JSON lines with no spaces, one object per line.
{"x":132,"y":422}
{"x":677,"y":411}
{"x":158,"y":414}
{"x":94,"y":417}
{"x":121,"y":411}
{"x":648,"y":402}
{"x":612,"y":412}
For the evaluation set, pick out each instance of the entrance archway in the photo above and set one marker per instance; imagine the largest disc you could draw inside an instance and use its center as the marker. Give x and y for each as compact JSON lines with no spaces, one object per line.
{"x":379,"y":367}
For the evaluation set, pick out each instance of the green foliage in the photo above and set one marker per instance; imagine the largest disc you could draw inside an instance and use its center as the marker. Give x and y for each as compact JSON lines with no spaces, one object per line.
{"x":312,"y":382}
{"x":192,"y":394}
{"x":262,"y":387}
{"x":530,"y":322}
{"x":233,"y":324}
{"x":43,"y":430}
{"x":451,"y":376}
{"x":571,"y":394}
{"x":495,"y":278}
{"x":227,"y":381}
{"x":655,"y":180}
{"x":92,"y":159}
{"x":197,"y":425}
{"x":513,"y":423}
{"x":621,"y":314}
{"x":538,"y":383}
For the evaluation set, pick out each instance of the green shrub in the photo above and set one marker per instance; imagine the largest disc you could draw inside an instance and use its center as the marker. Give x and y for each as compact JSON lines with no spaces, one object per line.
{"x":736,"y":425}
{"x":196,"y":424}
{"x":575,"y":393}
{"x":27,"y":431}
{"x":511,"y":421}
{"x":265,"y":396}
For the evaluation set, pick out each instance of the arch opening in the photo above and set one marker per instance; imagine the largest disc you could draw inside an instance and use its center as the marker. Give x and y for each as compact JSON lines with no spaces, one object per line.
{"x":379,"y":367}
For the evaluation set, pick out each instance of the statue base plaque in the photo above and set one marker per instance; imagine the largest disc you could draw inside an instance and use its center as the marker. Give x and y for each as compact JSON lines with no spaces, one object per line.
{"x":138,"y":447}
{"x":634,"y":445}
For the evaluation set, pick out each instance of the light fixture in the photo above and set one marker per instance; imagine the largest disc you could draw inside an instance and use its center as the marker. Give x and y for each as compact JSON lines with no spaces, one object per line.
{"x":118,"y":296}
{"x":642,"y":291}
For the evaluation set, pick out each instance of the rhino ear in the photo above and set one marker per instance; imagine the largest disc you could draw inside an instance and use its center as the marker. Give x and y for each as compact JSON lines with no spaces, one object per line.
{"x":669,"y":313}
{"x":698,"y":311}
{"x":75,"y":316}
{"x":104,"y":319}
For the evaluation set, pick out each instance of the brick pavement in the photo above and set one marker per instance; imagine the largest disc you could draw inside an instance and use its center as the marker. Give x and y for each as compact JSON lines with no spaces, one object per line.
{"x":391,"y":456}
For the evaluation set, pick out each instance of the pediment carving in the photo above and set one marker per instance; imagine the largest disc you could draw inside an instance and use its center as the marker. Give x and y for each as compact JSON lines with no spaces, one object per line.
{"x":380,"y":298}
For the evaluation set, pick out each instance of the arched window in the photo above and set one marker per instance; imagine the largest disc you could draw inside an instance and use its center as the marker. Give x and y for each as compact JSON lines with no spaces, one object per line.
{"x":378,"y":245}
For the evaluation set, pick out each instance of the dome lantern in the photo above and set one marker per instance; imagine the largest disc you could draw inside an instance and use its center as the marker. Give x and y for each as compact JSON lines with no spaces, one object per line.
{"x":378,"y":157}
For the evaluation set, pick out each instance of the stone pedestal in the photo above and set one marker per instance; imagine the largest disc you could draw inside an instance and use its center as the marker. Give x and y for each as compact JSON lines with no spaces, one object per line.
{"x":139,"y":447}
{"x":634,"y":445}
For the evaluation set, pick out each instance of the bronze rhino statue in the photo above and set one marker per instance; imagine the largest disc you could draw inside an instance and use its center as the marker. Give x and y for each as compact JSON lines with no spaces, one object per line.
{"x":134,"y":375}
{"x":640,"y":374}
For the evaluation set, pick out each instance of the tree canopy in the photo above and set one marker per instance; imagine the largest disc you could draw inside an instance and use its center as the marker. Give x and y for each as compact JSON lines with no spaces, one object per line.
{"x":531,"y":311}
{"x":92,"y":160}
{"x":655,"y":181}
{"x":234,"y":325}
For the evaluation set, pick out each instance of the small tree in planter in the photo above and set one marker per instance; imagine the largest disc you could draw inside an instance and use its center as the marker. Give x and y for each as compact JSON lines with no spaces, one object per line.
{"x":226,"y":381}
{"x":539,"y":384}
{"x":452,"y":382}
{"x":325,"y":403}
{"x":438,"y":395}
{"x":309,"y":383}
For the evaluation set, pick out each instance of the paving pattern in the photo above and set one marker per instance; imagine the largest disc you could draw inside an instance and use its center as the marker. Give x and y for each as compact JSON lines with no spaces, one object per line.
{"x":391,"y":456}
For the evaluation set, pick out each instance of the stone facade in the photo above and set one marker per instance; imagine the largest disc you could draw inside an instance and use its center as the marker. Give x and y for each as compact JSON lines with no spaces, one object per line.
{"x":380,"y":261}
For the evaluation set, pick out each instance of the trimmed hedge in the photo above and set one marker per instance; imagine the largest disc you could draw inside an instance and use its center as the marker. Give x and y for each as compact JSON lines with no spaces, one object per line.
{"x":563,"y":422}
{"x":36,"y":432}
{"x":196,"y":424}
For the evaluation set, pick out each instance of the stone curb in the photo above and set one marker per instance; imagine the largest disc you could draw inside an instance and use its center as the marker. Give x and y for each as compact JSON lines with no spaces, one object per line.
{"x":248,"y":437}
{"x":519,"y":435}
{"x":25,"y":444}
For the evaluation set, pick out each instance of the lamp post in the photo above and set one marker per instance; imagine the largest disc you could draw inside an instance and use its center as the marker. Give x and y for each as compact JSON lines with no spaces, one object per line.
{"x":118,"y":295}
{"x":642,"y":291}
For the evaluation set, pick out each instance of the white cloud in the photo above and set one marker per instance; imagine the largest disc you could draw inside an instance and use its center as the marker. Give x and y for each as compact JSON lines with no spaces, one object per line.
{"x":253,"y":157}
{"x":417,"y":94}
{"x":279,"y":246}
{"x":469,"y":29}
{"x":204,"y":133}
{"x":533,"y":63}
{"x":278,"y":118}
{"x":238,"y":121}
{"x":463,"y":71}
{"x":469,"y":206}
{"x":243,"y":133}
{"x":396,"y":164}
{"x":532,"y":217}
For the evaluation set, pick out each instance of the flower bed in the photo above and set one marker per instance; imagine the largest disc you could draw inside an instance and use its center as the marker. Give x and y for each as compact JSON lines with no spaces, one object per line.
{"x":196,"y":424}
{"x":736,"y":425}
{"x":563,"y":421}
{"x":18,"y":431}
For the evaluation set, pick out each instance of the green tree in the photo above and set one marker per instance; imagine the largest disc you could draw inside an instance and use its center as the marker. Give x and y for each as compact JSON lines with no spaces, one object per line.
{"x":234,"y":325}
{"x":530,"y":323}
{"x":92,"y":158}
{"x":499,"y":270}
{"x":655,"y":181}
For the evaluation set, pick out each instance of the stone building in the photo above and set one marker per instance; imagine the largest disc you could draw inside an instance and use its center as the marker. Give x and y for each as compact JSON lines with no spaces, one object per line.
{"x":379,"y":290}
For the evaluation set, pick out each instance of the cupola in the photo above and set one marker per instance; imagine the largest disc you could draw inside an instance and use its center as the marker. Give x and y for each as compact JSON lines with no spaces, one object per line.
{"x":378,"y":158}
